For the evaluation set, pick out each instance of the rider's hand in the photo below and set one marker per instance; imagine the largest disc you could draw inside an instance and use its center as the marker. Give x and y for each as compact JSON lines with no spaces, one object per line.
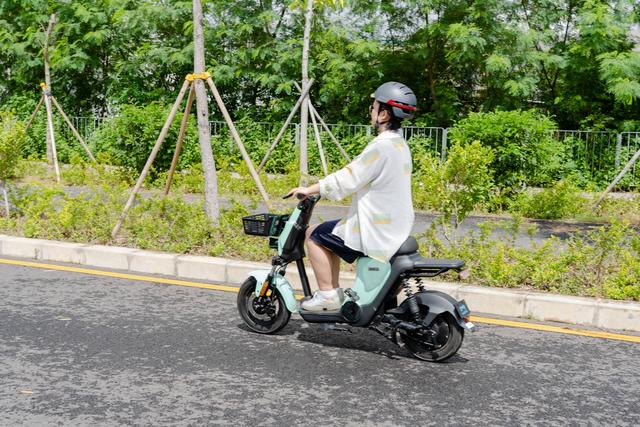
{"x":303,"y":191}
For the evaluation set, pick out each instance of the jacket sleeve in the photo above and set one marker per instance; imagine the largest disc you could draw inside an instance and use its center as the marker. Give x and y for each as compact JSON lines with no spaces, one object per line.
{"x":360,"y":172}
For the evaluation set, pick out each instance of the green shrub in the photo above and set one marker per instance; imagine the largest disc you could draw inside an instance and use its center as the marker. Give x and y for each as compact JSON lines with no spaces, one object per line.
{"x":12,"y":139}
{"x":525,"y":151}
{"x":604,"y":262}
{"x":67,"y":146}
{"x":129,"y":137}
{"x":563,"y":200}
{"x":453,"y":188}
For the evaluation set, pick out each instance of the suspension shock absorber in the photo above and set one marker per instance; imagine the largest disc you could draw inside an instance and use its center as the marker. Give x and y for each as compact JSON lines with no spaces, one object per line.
{"x":419,"y":284}
{"x":411,"y":300}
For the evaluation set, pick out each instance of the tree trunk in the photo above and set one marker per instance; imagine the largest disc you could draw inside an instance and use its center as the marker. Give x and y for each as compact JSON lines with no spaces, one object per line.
{"x":47,"y":78}
{"x":202,"y":108}
{"x":54,"y":154}
{"x":304,"y":112}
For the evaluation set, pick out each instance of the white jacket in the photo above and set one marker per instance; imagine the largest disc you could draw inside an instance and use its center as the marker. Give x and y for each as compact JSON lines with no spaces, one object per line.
{"x":381,"y":215}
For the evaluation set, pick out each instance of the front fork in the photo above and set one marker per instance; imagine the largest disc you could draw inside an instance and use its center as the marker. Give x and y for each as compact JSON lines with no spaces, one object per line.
{"x":267,"y":281}
{"x":276,"y":268}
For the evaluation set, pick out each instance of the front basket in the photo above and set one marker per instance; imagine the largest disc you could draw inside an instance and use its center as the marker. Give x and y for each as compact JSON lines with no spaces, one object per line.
{"x":264,"y":224}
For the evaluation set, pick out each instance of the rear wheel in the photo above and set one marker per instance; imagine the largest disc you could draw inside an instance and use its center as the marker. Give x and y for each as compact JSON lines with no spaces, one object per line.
{"x":437,"y":342}
{"x":265,"y":315}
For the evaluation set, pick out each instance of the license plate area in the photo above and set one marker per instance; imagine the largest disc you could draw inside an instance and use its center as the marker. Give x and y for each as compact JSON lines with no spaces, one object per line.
{"x":463,"y":309}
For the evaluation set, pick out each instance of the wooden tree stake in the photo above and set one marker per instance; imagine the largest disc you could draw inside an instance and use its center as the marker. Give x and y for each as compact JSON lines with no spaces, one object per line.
{"x":150,"y":160}
{"x":618,"y":178}
{"x":73,"y":129}
{"x":324,"y":125}
{"x":318,"y":141}
{"x":183,"y":129}
{"x":236,"y":137}
{"x":33,"y":116}
{"x":54,"y":154}
{"x":303,"y":95}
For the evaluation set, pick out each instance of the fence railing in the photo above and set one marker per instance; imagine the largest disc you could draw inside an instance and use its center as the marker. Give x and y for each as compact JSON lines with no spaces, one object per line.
{"x":600,"y":155}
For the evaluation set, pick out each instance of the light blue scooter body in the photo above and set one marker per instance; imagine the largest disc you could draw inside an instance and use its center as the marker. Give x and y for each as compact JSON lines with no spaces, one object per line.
{"x":370,"y":277}
{"x":283,"y":286}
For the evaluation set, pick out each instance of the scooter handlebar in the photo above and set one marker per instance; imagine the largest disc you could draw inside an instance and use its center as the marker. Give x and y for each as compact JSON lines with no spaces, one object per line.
{"x":299,"y":196}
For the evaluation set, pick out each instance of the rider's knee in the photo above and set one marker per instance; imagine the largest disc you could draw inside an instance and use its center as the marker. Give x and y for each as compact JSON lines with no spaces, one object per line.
{"x":308,"y":233}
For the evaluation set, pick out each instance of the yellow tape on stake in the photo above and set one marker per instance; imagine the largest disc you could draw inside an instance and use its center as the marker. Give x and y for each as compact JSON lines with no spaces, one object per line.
{"x":197,"y":76}
{"x":228,"y":288}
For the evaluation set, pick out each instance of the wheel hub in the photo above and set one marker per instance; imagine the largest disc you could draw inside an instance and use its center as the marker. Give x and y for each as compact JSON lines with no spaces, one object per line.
{"x":264,"y":306}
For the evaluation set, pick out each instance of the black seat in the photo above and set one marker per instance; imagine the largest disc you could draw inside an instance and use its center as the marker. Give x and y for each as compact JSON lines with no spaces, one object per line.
{"x":408,"y":247}
{"x":438,"y":264}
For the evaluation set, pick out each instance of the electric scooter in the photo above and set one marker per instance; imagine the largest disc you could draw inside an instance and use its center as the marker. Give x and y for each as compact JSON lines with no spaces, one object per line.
{"x":429,"y":324}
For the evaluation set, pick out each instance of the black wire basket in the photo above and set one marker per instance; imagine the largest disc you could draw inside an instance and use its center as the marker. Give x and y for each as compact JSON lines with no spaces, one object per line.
{"x":264,"y":224}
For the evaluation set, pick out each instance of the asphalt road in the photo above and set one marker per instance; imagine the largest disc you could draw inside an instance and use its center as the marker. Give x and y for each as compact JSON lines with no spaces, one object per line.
{"x":84,"y":350}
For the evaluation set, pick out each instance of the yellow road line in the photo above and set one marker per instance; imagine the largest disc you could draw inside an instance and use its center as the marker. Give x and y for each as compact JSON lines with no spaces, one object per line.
{"x":226,"y":288}
{"x":558,"y":329}
{"x":121,"y":275}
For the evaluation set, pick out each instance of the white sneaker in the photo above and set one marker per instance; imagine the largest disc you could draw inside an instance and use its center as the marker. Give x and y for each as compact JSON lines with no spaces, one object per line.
{"x":324,"y":301}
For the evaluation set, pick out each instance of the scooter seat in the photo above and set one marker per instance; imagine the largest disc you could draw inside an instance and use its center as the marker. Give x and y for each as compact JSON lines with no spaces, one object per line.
{"x":439,"y":264}
{"x":408,"y":247}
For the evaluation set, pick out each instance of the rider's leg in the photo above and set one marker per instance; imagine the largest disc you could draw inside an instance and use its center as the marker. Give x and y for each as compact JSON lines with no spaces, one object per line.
{"x":325,"y":263}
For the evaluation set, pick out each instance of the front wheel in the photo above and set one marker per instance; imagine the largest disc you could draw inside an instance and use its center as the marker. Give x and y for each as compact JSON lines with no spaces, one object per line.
{"x":438,"y":342}
{"x":265,"y":315}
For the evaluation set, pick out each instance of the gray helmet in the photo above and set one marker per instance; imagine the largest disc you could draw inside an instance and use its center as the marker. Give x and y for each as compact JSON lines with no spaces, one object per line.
{"x":399,"y":96}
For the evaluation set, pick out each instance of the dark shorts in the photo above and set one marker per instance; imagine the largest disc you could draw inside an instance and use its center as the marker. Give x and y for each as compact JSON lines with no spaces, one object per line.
{"x":322,"y":236}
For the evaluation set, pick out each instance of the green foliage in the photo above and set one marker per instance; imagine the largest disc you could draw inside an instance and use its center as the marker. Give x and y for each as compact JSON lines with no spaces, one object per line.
{"x":604,"y":262}
{"x":561,"y":201}
{"x":169,"y":224}
{"x":12,"y":138}
{"x":129,"y":138}
{"x":525,"y":151}
{"x":621,"y":72}
{"x":571,"y":60}
{"x":454,"y":188}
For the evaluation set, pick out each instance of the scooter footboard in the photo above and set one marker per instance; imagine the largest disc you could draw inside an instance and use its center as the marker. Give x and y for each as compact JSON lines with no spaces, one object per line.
{"x":282,"y":285}
{"x":438,"y":303}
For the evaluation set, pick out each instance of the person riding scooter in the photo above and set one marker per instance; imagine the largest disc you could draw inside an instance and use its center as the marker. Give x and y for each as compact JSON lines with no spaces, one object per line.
{"x":381,"y":215}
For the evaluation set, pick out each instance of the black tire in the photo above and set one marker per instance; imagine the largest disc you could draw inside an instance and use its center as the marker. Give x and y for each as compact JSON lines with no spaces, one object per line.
{"x":444,"y":343}
{"x":274,"y":315}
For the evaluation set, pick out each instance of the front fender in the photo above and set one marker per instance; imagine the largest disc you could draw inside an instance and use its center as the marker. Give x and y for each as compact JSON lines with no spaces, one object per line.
{"x":282,"y":285}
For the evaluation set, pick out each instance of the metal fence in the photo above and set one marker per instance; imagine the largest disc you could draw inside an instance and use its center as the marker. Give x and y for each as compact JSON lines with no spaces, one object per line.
{"x":599,"y":155}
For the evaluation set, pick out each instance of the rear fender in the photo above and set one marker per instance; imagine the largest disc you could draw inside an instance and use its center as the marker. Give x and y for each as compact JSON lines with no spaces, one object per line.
{"x":438,"y":303}
{"x":282,"y":285}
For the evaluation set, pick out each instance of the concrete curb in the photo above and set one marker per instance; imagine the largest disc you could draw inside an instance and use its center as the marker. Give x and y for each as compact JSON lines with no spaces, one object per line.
{"x":599,"y":313}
